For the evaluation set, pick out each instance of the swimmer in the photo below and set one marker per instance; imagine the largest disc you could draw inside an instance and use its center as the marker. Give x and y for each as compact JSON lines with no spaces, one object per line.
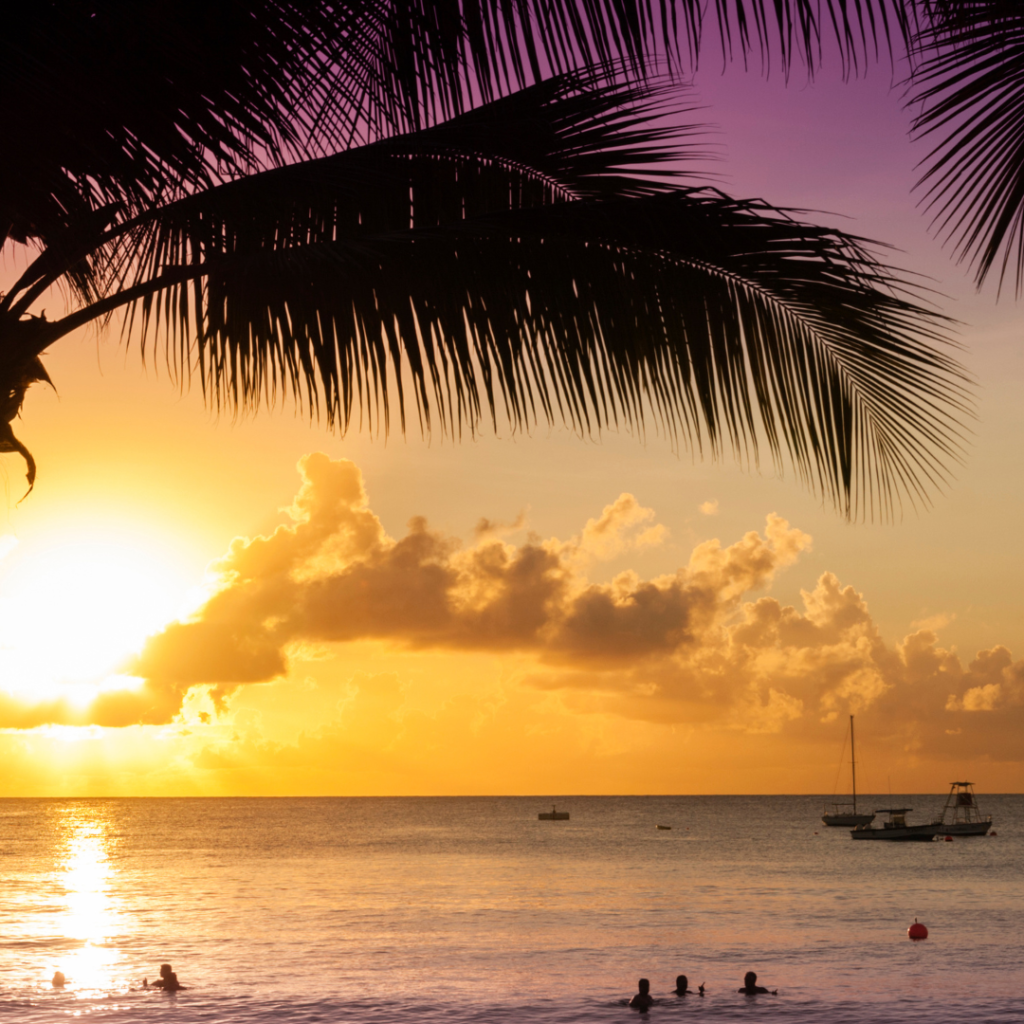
{"x":642,"y":1001}
{"x":168,"y":980}
{"x":751,"y":987}
{"x":58,"y":980}
{"x":683,"y":987}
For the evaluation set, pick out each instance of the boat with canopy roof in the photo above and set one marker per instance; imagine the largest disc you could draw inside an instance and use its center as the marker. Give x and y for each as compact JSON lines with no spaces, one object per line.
{"x":896,"y":828}
{"x":961,"y":816}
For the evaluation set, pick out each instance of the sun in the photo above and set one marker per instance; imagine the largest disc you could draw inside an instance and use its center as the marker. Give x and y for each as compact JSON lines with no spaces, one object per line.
{"x":70,"y":613}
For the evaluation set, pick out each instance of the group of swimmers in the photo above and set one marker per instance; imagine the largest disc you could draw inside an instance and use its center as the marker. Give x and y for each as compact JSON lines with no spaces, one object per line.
{"x":643,"y":1000}
{"x":168,"y":980}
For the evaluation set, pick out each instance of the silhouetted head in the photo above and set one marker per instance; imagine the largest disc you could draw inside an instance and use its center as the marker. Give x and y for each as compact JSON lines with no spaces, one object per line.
{"x":645,"y":987}
{"x":681,"y":983}
{"x":165,"y":971}
{"x":58,"y":980}
{"x":750,"y":979}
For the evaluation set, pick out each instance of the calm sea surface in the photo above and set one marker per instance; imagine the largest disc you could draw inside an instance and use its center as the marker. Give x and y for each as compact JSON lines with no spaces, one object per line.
{"x":470,"y":909}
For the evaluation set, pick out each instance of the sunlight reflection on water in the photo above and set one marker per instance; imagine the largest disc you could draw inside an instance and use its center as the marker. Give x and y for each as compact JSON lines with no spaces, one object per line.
{"x":88,"y":920}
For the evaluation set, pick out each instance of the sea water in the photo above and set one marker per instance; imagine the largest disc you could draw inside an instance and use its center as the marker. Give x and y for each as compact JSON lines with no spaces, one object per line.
{"x":470,"y":909}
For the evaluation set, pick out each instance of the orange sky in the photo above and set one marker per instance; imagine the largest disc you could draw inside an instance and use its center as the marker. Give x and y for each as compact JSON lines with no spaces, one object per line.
{"x":513,"y":614}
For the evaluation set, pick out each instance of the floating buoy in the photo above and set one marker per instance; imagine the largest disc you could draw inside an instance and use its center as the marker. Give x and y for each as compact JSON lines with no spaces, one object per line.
{"x":993,"y":834}
{"x":949,"y":839}
{"x":917,"y":931}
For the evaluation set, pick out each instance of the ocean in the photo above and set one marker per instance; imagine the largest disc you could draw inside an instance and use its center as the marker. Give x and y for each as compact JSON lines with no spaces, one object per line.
{"x":471,"y":910}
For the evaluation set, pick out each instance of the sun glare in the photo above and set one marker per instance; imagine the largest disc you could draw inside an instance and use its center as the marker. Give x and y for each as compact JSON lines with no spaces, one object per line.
{"x":70,"y":615}
{"x":88,"y":919}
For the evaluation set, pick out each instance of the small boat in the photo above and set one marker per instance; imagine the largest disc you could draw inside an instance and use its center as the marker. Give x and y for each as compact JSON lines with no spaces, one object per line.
{"x":553,"y":815}
{"x":896,"y":828}
{"x":846,"y":814}
{"x":960,"y":816}
{"x":663,"y":828}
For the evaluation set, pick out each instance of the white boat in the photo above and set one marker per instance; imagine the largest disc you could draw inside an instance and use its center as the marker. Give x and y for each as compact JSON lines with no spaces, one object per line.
{"x":553,"y":815}
{"x":846,"y":813}
{"x":896,"y":828}
{"x":960,"y":816}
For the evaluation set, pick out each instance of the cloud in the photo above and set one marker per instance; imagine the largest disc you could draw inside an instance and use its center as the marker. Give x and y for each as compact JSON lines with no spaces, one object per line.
{"x":486,"y":528}
{"x":617,"y":530}
{"x":933,"y":622}
{"x":704,"y":646}
{"x":146,"y":703}
{"x":334,"y":576}
{"x":709,"y":508}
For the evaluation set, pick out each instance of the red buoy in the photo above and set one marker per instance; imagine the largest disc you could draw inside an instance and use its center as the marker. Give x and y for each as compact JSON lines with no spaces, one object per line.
{"x":917,"y":931}
{"x":949,"y":839}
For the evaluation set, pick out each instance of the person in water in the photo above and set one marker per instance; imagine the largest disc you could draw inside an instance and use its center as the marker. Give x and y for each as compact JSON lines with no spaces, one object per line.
{"x":751,"y":987}
{"x":58,"y":980}
{"x":168,"y":980}
{"x":683,"y":989}
{"x":642,"y":1001}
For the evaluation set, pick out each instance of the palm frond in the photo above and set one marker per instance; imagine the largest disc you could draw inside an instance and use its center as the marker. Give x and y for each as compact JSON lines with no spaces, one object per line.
{"x":140,"y":99}
{"x":534,"y":258}
{"x":185,"y":95}
{"x":803,"y":31}
{"x":969,"y":80}
{"x":579,"y":135}
{"x":722,"y":317}
{"x":507,"y":44}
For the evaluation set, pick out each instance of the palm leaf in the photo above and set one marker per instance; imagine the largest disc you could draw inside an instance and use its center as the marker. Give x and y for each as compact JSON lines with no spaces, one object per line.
{"x":719,"y":316}
{"x":534,"y":258}
{"x":565,"y":137}
{"x":186,"y":95}
{"x":969,"y":79}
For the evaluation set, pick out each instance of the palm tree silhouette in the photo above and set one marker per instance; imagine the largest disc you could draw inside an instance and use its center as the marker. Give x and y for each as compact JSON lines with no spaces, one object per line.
{"x":484,"y":204}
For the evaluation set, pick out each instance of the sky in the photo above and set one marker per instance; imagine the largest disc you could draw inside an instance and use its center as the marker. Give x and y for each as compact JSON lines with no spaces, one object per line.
{"x":201,"y":604}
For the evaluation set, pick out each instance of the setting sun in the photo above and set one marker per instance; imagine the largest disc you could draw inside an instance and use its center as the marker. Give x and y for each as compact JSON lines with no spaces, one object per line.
{"x":69,"y":614}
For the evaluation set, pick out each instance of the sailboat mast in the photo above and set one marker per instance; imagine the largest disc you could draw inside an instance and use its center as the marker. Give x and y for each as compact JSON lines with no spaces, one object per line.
{"x":853,"y":767}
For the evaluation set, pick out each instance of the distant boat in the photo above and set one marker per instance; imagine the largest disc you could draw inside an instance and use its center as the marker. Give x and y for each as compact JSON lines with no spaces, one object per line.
{"x":960,"y":816}
{"x":553,"y":815}
{"x":663,"y":828}
{"x":896,"y":828}
{"x":846,"y":813}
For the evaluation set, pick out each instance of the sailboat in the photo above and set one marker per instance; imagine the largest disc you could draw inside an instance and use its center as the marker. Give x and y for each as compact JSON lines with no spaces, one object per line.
{"x":846,"y":813}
